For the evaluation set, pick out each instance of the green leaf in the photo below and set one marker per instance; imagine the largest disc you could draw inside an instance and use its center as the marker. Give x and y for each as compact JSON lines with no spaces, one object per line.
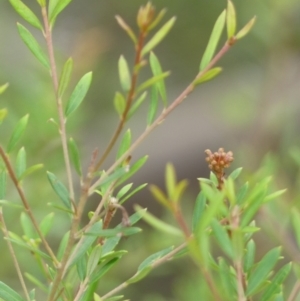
{"x":296,"y":224}
{"x":230,"y":19}
{"x":47,"y":223}
{"x":126,"y":28}
{"x":33,"y":45}
{"x":79,"y":93}
{"x":111,"y":255}
{"x":262,"y":271}
{"x":103,"y":270}
{"x":153,"y":105}
{"x":227,"y":280}
{"x":140,"y":187}
{"x":74,"y":156}
{"x":242,"y":193}
{"x":198,"y":210}
{"x":117,"y":174}
{"x":63,"y":245}
{"x":249,"y":256}
{"x":55,"y":8}
{"x":133,"y":169}
{"x":235,"y":174}
{"x":222,"y":238}
{"x":136,"y":105}
{"x":276,"y":282}
{"x":125,"y":144}
{"x":213,"y":40}
{"x":27,"y":227}
{"x":124,"y":74}
{"x":274,"y":195}
{"x":157,"y":70}
{"x":20,"y":162}
{"x":245,"y":30}
{"x":3,"y":88}
{"x":159,"y":195}
{"x":151,"y":81}
{"x":116,"y":231}
{"x":123,"y":190}
{"x":60,"y":189}
{"x":3,"y":183}
{"x":170,"y":180}
{"x":159,"y":36}
{"x":65,"y":76}
{"x":17,"y":133}
{"x":36,"y":282}
{"x":158,"y":224}
{"x":207,"y":76}
{"x":81,"y":267}
{"x":179,"y":190}
{"x":8,"y":294}
{"x":87,"y":241}
{"x":11,"y":204}
{"x":3,"y":114}
{"x":119,"y":103}
{"x":42,"y":3}
{"x":26,"y":13}
{"x":158,"y":18}
{"x":30,"y":170}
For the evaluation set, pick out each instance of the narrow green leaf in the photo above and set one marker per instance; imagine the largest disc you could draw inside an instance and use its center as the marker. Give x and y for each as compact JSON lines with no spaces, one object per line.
{"x":151,"y":81}
{"x":207,"y":76}
{"x":153,"y":105}
{"x":136,"y":105}
{"x":249,"y":256}
{"x":159,"y":195}
{"x":20,"y":162}
{"x":179,"y":190}
{"x":30,"y":170}
{"x":3,"y":114}
{"x":36,"y":282}
{"x":74,"y":156}
{"x":158,"y":18}
{"x":242,"y":193}
{"x":27,"y":227}
{"x":42,"y":3}
{"x":274,"y":195}
{"x":63,"y":245}
{"x":158,"y":224}
{"x":126,"y":28}
{"x":157,"y":70}
{"x":103,"y":270}
{"x":17,"y":133}
{"x":125,"y":144}
{"x":123,"y":190}
{"x":79,"y":93}
{"x":117,"y":174}
{"x":60,"y":208}
{"x":81,"y":267}
{"x":87,"y":241}
{"x":227,"y":280}
{"x":55,"y":8}
{"x":276,"y":282}
{"x":170,"y":180}
{"x":33,"y":45}
{"x":8,"y":294}
{"x":230,"y":19}
{"x":129,"y":195}
{"x":3,"y":88}
{"x":235,"y":174}
{"x":46,"y":223}
{"x":3,"y":183}
{"x":116,"y":231}
{"x":111,"y":255}
{"x":65,"y":76}
{"x":262,"y":271}
{"x":60,"y":189}
{"x":198,"y":210}
{"x":159,"y":36}
{"x":26,"y":13}
{"x":222,"y":238}
{"x":296,"y":224}
{"x":119,"y":103}
{"x":124,"y":74}
{"x":133,"y":169}
{"x":245,"y":30}
{"x":11,"y":204}
{"x":213,"y":40}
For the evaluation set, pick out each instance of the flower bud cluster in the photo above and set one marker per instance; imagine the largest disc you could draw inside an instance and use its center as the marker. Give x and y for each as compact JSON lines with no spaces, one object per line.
{"x":145,"y":16}
{"x":219,"y":160}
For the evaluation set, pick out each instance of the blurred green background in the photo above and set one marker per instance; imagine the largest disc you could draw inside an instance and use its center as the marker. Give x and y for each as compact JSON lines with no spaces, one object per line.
{"x":252,"y":109}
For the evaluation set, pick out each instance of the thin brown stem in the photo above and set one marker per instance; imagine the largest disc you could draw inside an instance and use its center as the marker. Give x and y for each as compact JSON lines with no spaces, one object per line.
{"x":163,"y":115}
{"x":62,"y":121}
{"x":129,"y":100}
{"x":13,"y":255}
{"x":26,"y":205}
{"x":182,"y":223}
{"x":210,"y":282}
